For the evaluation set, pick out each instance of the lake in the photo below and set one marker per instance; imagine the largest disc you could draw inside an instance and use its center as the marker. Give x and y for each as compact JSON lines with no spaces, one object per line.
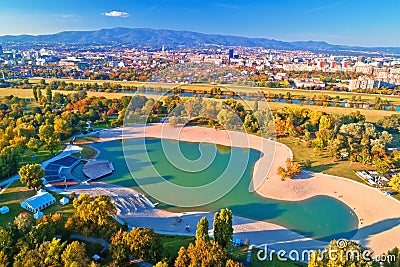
{"x":320,"y":217}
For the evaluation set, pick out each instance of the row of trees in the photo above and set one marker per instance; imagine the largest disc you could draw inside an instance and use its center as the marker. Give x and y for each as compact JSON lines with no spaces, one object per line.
{"x":42,"y":127}
{"x":28,"y":243}
{"x":342,"y":137}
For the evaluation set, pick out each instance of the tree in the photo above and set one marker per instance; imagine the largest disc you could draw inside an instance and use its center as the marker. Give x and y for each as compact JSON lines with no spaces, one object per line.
{"x":161,"y":264}
{"x":33,"y":144}
{"x":383,"y":166}
{"x":55,"y":249}
{"x":202,"y":230}
{"x":61,"y":127}
{"x":173,"y":121}
{"x":49,"y":95}
{"x":97,"y":210}
{"x":395,"y":182}
{"x":255,"y":107}
{"x":9,"y":161}
{"x":325,"y":123}
{"x":24,"y":222}
{"x":231,"y":263}
{"x":7,"y":243}
{"x":75,"y":255}
{"x":223,"y":229}
{"x":119,"y":249}
{"x":144,"y":244}
{"x":31,"y":175}
{"x":396,"y":253}
{"x":4,"y":260}
{"x":351,"y":254}
{"x":207,"y":254}
{"x":292,"y":169}
{"x":333,"y":148}
{"x":35,"y":93}
{"x":183,"y":259}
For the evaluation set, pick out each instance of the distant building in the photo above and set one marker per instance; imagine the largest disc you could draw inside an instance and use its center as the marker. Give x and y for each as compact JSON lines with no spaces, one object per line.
{"x":309,"y":83}
{"x":1,"y":50}
{"x":231,"y":53}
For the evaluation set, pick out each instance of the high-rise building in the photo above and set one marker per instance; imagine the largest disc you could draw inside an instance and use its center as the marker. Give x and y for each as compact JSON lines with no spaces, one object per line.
{"x":231,"y":51}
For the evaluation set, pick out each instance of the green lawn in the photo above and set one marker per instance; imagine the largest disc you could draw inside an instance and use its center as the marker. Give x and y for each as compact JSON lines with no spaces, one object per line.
{"x":86,"y":153}
{"x":172,"y":243}
{"x":237,"y":253}
{"x":321,"y":162}
{"x":39,"y":156}
{"x":17,"y":193}
{"x":11,"y":198}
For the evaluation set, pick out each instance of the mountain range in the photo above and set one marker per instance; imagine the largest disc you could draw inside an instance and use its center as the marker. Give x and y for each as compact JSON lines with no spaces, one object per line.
{"x":173,"y":39}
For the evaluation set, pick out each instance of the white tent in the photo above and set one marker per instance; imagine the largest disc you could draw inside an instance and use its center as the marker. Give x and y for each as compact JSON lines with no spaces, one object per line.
{"x":4,"y":210}
{"x":38,"y":215}
{"x":64,"y":201}
{"x":41,"y":191}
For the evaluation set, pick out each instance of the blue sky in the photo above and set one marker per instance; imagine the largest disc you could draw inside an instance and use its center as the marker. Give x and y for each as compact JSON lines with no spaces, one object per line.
{"x":353,"y":22}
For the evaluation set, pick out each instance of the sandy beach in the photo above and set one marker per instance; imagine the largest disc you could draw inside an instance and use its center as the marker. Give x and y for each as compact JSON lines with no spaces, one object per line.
{"x":379,"y":227}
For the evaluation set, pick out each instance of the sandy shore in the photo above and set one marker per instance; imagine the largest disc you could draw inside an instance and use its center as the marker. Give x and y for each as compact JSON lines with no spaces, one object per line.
{"x":379,"y":226}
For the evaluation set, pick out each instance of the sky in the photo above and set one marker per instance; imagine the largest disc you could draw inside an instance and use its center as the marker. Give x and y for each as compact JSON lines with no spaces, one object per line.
{"x":350,"y":22}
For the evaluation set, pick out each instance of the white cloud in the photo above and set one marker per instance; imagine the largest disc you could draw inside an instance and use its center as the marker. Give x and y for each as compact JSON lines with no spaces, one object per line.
{"x":116,"y":14}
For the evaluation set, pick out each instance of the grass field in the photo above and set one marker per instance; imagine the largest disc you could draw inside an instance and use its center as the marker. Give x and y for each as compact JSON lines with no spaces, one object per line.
{"x":237,"y":88}
{"x":172,"y":243}
{"x":86,"y":153}
{"x":370,"y":115}
{"x":16,"y":193}
{"x":321,"y":162}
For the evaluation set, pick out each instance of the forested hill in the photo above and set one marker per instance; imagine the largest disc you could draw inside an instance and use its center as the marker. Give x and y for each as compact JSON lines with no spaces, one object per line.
{"x":173,"y":39}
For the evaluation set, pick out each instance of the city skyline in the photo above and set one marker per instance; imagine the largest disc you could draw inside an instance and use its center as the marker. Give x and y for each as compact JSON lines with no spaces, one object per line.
{"x":364,"y":23}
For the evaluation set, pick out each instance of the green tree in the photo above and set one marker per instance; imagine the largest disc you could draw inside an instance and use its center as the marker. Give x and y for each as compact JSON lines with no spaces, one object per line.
{"x":202,"y":230}
{"x":231,"y":263}
{"x":54,"y":252}
{"x":395,"y":182}
{"x":292,"y":169}
{"x":4,"y":261}
{"x":97,"y":210}
{"x":75,"y":255}
{"x":206,"y":254}
{"x":392,"y":253}
{"x":33,"y":144}
{"x":35,"y":93}
{"x":144,"y":244}
{"x":223,"y":229}
{"x":173,"y":121}
{"x":333,"y":148}
{"x":119,"y":249}
{"x":161,"y":264}
{"x":49,"y":95}
{"x":183,"y":259}
{"x":7,"y":243}
{"x":383,"y":166}
{"x":24,"y":222}
{"x":31,"y":175}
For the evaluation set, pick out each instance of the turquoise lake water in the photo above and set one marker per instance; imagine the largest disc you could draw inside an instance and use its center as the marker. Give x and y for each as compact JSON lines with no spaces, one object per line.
{"x":320,"y":217}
